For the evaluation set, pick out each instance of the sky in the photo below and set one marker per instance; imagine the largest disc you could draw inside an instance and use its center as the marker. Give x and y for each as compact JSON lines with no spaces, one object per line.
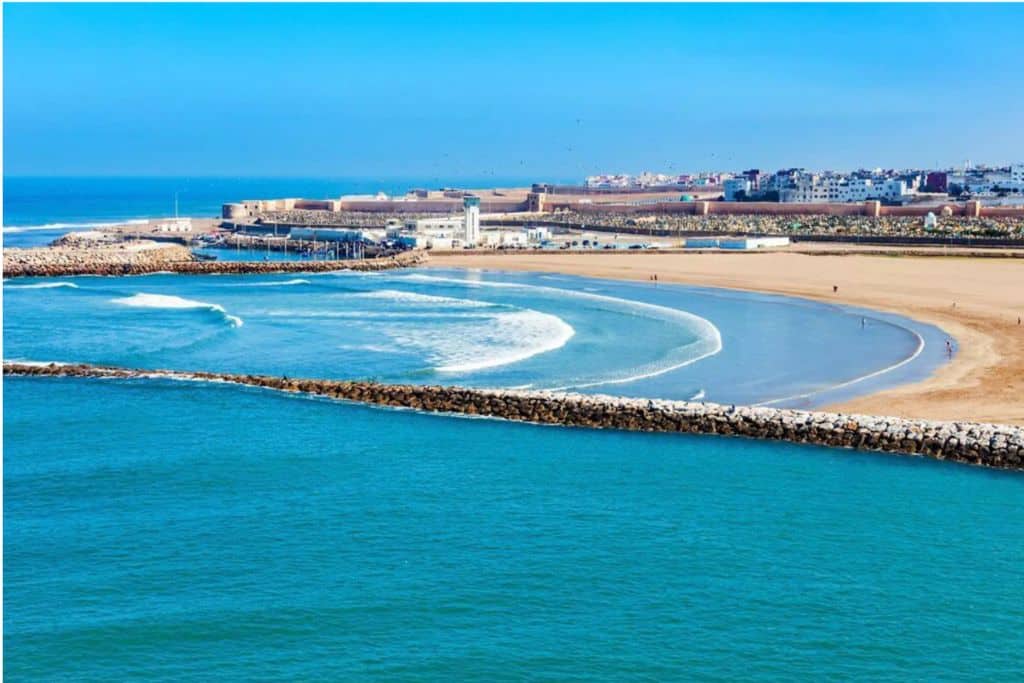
{"x":535,"y":91}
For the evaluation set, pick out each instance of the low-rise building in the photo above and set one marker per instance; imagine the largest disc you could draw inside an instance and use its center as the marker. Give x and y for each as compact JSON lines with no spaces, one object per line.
{"x":732,"y":188}
{"x":174,"y":225}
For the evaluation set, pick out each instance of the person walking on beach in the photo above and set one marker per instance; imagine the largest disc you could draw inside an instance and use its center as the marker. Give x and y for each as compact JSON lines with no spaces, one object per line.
{"x":835,"y":289}
{"x":949,"y":348}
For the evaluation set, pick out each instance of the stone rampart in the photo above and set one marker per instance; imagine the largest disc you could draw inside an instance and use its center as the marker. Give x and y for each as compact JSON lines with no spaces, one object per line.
{"x":989,"y":445}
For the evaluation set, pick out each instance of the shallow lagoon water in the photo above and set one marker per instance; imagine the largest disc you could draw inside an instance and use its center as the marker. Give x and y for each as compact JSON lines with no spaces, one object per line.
{"x":164,"y":530}
{"x":476,"y":328}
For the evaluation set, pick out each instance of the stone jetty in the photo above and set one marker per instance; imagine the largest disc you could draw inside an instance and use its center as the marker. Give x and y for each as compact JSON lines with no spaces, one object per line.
{"x":988,"y":445}
{"x":131,"y":258}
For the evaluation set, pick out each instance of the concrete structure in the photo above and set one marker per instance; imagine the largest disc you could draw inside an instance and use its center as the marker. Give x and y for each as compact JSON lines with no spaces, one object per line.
{"x":471,"y":206}
{"x":937,"y":181}
{"x":173,"y":225}
{"x":445,"y":224}
{"x":538,"y":234}
{"x":753,"y":243}
{"x":335,"y":235}
{"x":988,"y":445}
{"x":733,"y":186}
{"x":740,"y":243}
{"x":814,"y":188}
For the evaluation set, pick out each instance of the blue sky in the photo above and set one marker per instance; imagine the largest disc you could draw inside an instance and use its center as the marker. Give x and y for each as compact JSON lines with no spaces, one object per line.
{"x":540,"y":91}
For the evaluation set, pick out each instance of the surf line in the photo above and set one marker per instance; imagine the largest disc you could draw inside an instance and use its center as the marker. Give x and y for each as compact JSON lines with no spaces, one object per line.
{"x":709,"y":331}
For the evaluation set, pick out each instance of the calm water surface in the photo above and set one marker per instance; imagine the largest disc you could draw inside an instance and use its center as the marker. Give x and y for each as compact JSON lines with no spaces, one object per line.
{"x":264,"y":536}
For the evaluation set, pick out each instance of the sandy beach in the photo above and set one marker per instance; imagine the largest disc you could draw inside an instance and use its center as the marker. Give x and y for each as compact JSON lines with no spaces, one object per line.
{"x":976,"y":300}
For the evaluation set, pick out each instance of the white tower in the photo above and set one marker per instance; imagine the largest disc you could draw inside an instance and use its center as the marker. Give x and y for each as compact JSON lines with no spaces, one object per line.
{"x":471,"y":205}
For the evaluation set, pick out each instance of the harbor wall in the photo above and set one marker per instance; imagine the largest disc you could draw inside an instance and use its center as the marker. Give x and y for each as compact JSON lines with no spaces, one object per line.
{"x":988,"y":445}
{"x":44,"y":263}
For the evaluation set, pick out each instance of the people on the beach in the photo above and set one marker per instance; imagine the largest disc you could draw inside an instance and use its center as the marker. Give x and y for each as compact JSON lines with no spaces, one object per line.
{"x":949,"y":348}
{"x":835,"y":288}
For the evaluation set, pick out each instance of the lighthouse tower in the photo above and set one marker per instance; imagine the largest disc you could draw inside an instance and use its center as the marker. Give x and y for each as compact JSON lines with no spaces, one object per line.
{"x":471,"y":205}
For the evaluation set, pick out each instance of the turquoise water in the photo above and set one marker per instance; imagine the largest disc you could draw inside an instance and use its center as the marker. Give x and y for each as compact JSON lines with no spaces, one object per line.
{"x":475,"y":328}
{"x":165,"y":531}
{"x":159,"y":530}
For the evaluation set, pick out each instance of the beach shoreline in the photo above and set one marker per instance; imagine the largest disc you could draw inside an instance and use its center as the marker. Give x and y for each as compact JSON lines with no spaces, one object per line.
{"x":976,"y":300}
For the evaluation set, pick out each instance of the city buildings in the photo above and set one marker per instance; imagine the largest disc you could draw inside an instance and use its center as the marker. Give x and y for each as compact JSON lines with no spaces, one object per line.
{"x":799,"y":185}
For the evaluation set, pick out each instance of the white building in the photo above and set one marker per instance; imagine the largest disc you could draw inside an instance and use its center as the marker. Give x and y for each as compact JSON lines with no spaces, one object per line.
{"x":334,"y":235}
{"x":537,"y":234}
{"x":813,"y":188}
{"x":733,"y":186}
{"x":174,"y":225}
{"x":446,"y":224}
{"x":471,"y":205}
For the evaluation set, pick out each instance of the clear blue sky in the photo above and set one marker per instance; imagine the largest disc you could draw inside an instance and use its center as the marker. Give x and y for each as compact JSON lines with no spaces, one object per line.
{"x":543,"y":91}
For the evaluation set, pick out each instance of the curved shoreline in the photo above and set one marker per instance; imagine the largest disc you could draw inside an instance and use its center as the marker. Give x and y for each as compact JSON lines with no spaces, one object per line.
{"x":984,"y":382}
{"x":856,"y":380}
{"x":987,"y":445}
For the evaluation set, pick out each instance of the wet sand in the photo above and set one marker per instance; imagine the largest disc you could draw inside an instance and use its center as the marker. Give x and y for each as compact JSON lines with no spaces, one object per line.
{"x":985,"y":380}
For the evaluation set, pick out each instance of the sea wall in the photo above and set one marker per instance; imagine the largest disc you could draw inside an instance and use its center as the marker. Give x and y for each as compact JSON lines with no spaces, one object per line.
{"x":63,"y":262}
{"x":989,"y":445}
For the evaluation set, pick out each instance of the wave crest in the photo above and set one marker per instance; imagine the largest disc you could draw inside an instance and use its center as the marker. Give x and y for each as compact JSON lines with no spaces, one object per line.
{"x":43,"y":285}
{"x":170,"y":302}
{"x":72,"y":226}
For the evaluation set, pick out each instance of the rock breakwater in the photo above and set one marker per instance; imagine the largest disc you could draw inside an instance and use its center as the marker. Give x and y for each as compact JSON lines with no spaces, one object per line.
{"x":119,"y":260}
{"x":989,"y":445}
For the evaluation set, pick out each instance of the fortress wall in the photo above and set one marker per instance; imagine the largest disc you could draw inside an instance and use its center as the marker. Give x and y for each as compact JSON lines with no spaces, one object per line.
{"x":989,"y":445}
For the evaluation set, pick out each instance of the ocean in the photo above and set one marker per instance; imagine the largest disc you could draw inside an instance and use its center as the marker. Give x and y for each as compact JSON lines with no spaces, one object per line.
{"x":174,"y":530}
{"x":167,"y":530}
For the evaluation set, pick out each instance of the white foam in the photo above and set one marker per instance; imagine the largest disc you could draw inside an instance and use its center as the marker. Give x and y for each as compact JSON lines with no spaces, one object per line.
{"x":416,"y":299}
{"x":166,"y":301}
{"x":72,"y":226}
{"x":278,"y":283}
{"x":38,"y":363}
{"x":707,"y":344}
{"x":42,"y":285}
{"x":503,"y":338}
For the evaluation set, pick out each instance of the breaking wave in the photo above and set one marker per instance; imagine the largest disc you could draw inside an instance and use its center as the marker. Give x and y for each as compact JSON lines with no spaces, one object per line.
{"x":43,"y":285}
{"x":278,"y":283}
{"x":72,"y":226}
{"x":166,"y":301}
{"x":504,"y":338}
{"x":707,"y":341}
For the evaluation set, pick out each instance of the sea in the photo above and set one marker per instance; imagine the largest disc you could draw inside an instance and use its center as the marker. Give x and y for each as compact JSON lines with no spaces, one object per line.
{"x":168,"y":530}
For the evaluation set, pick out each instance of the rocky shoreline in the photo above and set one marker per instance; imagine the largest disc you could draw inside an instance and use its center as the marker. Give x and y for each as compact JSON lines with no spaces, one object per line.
{"x":987,"y":445}
{"x":68,"y":261}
